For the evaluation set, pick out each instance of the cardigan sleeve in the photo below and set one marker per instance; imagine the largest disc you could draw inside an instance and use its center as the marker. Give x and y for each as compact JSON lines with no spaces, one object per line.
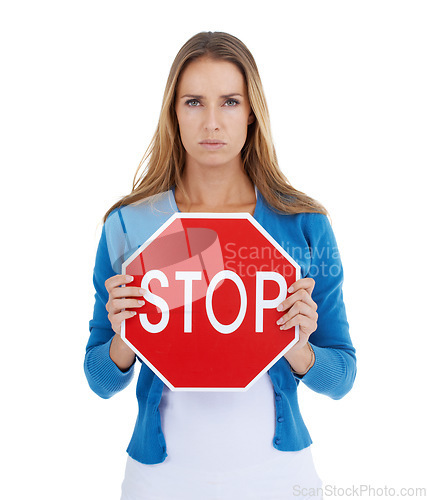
{"x":103,"y":375}
{"x":334,"y":370}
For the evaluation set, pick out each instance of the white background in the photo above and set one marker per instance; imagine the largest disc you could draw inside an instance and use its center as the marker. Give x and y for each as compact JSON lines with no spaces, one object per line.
{"x":81,"y":89}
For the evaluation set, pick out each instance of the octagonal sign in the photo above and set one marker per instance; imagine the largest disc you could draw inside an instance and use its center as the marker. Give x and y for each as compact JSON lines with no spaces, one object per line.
{"x":213,"y":284}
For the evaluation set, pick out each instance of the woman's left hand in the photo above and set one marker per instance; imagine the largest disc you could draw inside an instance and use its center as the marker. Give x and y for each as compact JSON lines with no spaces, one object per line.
{"x":300,"y":310}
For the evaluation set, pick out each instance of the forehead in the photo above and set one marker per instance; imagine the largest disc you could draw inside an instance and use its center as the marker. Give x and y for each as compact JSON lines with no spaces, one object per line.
{"x":204,"y":75}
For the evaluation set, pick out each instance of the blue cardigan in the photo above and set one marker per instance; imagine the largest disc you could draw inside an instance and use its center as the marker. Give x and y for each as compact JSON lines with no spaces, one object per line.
{"x":309,"y":239}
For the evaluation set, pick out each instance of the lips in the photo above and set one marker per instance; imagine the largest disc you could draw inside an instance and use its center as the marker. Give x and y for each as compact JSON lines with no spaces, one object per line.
{"x":212,"y":144}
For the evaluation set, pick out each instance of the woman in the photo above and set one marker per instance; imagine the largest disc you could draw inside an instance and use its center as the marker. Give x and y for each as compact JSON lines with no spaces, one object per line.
{"x":213,"y":152}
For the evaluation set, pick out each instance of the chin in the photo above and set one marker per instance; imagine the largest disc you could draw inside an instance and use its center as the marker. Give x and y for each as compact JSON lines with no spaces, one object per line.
{"x":215,"y":163}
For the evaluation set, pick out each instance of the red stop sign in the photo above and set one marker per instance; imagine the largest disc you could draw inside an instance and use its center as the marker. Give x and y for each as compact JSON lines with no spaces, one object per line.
{"x":209,"y":320}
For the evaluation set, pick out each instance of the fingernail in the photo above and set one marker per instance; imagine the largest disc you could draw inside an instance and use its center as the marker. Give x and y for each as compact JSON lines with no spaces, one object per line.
{"x":280,"y":308}
{"x":290,"y":289}
{"x":129,"y":278}
{"x":141,"y":302}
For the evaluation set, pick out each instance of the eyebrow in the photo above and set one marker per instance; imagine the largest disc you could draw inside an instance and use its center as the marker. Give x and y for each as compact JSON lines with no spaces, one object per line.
{"x":194,"y":96}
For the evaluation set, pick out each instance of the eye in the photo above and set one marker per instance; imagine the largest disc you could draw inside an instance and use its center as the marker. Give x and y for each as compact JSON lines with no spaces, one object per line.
{"x":231,"y":102}
{"x":192,"y":103}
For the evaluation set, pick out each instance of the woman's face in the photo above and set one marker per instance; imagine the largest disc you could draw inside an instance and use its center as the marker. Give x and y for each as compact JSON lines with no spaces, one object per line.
{"x":213,"y":112}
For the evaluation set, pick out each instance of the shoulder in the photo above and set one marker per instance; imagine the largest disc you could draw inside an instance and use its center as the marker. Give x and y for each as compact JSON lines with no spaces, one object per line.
{"x":129,"y":226}
{"x":300,"y":231}
{"x":151,"y":203}
{"x":149,"y":209}
{"x":318,"y":229}
{"x":310,"y":224}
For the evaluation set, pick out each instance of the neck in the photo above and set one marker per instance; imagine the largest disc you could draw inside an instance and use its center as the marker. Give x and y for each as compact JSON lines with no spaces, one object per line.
{"x":216,"y":186}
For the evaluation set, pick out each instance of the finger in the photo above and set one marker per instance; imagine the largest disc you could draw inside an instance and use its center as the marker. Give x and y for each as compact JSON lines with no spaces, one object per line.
{"x":117,"y":280}
{"x":300,"y":308}
{"x":300,"y":295}
{"x":122,"y":316}
{"x":127,"y":291}
{"x":114,"y":306}
{"x":306,"y":283}
{"x":301,"y":321}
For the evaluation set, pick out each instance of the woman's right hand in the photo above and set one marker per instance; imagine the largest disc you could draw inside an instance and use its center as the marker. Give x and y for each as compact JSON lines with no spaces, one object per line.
{"x":121,"y":298}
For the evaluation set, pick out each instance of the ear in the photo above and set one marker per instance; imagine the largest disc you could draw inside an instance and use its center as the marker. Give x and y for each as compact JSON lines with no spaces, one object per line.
{"x":251,"y":118}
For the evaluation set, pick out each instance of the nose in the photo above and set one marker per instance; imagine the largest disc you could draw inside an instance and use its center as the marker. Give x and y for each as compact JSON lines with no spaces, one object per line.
{"x":212,"y":120}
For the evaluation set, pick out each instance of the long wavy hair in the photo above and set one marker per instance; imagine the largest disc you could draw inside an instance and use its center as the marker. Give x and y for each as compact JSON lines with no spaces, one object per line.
{"x":164,"y":158}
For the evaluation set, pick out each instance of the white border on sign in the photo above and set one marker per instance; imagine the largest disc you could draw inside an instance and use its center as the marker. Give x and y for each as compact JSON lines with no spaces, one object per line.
{"x":210,"y":215}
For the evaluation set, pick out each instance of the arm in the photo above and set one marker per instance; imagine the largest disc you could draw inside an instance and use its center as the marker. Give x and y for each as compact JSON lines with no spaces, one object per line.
{"x":334,"y":368}
{"x":104,"y":376}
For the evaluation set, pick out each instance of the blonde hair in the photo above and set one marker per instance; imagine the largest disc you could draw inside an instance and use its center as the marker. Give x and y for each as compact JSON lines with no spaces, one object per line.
{"x":165,"y":155}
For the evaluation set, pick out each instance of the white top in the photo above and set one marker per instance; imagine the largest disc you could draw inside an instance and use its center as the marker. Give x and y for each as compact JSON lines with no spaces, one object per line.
{"x":228,"y":429}
{"x":220,"y":443}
